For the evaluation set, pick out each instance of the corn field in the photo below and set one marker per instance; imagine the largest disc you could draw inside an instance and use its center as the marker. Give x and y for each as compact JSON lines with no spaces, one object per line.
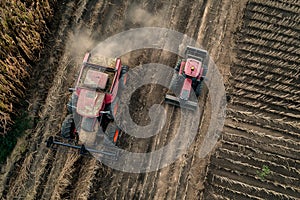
{"x":263,"y":120}
{"x":22,"y":27}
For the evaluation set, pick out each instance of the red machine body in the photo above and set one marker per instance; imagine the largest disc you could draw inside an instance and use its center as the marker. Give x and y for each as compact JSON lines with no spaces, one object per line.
{"x":94,"y":89}
{"x":93,"y":105}
{"x":189,"y":77}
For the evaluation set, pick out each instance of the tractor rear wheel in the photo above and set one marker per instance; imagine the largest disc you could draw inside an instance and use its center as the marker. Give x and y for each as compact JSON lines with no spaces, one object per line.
{"x":112,"y":132}
{"x":68,"y":127}
{"x":198,"y":89}
{"x":124,"y":76}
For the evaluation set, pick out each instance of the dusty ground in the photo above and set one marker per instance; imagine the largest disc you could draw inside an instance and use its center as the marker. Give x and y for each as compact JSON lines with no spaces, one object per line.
{"x":41,"y":173}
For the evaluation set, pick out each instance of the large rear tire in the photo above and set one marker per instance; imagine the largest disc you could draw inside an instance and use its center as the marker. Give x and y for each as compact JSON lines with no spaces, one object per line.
{"x":198,"y":89}
{"x":68,"y":127}
{"x":111,"y":133}
{"x":123,"y":76}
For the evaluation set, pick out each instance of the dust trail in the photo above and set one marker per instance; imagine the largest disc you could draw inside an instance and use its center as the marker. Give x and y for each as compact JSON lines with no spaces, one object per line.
{"x":79,"y":42}
{"x":139,"y":15}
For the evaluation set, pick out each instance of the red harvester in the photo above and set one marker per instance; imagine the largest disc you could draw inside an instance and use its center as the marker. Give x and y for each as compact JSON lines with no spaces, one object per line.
{"x":90,"y":124}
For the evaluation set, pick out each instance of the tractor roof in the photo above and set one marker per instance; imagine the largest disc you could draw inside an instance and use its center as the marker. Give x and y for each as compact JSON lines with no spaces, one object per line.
{"x":192,"y":67}
{"x":95,"y":79}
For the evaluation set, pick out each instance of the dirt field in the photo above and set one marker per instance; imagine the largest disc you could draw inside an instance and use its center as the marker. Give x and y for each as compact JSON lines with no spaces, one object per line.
{"x":259,"y":130}
{"x":262,"y":126}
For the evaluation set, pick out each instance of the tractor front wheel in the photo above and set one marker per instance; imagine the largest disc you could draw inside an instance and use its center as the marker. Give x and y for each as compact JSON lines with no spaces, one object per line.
{"x":68,"y":127}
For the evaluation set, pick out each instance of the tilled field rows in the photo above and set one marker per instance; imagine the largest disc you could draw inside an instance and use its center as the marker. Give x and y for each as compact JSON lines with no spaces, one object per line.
{"x":263,"y":120}
{"x":62,"y":174}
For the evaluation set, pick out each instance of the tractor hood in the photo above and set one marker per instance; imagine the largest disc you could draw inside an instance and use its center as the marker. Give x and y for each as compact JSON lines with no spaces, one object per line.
{"x":192,"y":68}
{"x":89,"y":103}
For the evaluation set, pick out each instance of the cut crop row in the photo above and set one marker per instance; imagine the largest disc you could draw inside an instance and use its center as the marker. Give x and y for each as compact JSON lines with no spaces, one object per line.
{"x":282,"y":6}
{"x":270,"y":79}
{"x":227,"y":179}
{"x":269,"y":19}
{"x":246,"y":174}
{"x":260,"y":136}
{"x":265,"y":31}
{"x":260,"y":56}
{"x":268,"y":90}
{"x":265,"y":145}
{"x":268,"y":35}
{"x":265,"y":155}
{"x":267,"y":100}
{"x":267,"y":11}
{"x":277,"y":73}
{"x":254,"y":103}
{"x":260,"y":120}
{"x":248,"y":165}
{"x":268,"y":52}
{"x":232,"y":139}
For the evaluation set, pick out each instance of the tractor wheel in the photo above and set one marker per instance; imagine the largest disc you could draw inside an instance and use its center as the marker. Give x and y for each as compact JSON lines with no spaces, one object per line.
{"x":72,"y":103}
{"x":68,"y":127}
{"x":198,"y":89}
{"x":178,"y":64}
{"x":124,"y":76}
{"x":112,"y":132}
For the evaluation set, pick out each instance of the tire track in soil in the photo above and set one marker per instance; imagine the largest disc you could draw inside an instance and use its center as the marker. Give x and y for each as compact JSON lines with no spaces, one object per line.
{"x":178,"y":163}
{"x":95,"y":174}
{"x":181,"y":166}
{"x":97,"y":193}
{"x":126,"y":179}
{"x":134,"y":180}
{"x":120,"y":180}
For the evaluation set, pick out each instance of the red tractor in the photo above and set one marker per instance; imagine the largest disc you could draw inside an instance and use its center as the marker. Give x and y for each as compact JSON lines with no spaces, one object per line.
{"x":92,"y":107}
{"x":189,"y":76}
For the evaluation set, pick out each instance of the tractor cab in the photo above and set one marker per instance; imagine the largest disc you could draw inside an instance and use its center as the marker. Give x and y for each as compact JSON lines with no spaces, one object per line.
{"x":91,"y":93}
{"x":192,"y":68}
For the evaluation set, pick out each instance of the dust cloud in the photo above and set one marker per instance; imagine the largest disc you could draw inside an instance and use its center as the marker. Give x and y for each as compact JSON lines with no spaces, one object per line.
{"x":140,"y":16}
{"x":79,"y":42}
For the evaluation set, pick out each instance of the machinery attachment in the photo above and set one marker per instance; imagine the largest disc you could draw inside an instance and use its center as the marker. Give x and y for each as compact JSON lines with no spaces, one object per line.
{"x":175,"y":101}
{"x":188,"y":78}
{"x":108,"y":152}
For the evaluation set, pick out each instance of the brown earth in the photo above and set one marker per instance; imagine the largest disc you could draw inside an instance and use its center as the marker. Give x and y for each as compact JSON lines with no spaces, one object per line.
{"x":36,"y":172}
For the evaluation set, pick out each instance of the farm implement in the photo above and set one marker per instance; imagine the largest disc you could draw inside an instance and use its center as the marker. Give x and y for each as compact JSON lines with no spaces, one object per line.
{"x":188,"y":78}
{"x":90,"y":125}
